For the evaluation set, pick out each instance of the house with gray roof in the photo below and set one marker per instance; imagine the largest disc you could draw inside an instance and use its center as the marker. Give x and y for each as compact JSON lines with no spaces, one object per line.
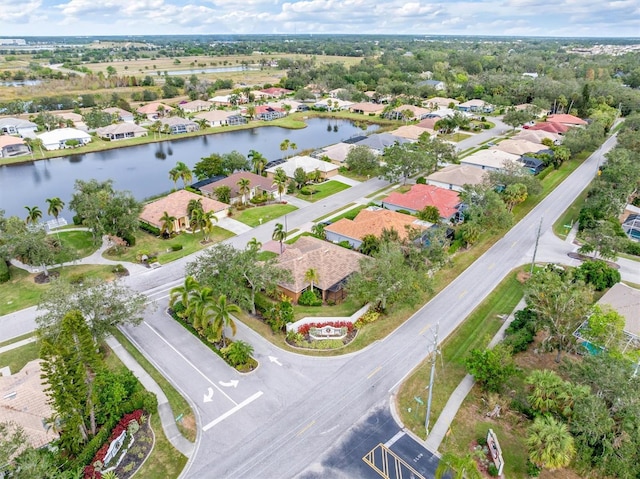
{"x":19,"y":127}
{"x":121,"y":131}
{"x":380,"y":141}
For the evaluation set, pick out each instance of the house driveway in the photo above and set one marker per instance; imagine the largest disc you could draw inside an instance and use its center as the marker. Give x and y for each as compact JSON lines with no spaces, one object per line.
{"x":345,"y":180}
{"x":234,"y":226}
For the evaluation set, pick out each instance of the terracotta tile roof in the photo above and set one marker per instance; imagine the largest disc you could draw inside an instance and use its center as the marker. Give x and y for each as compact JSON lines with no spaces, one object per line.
{"x":176,"y":205}
{"x":518,"y":146}
{"x":118,"y":111}
{"x":440,"y":101}
{"x":196,"y":105}
{"x":428,"y":123}
{"x":421,"y":196}
{"x":256,"y":181}
{"x":411,"y":132}
{"x":550,"y":126}
{"x":29,"y":406}
{"x":536,"y":136}
{"x":307,"y":163}
{"x":7,"y":140}
{"x":373,"y":221}
{"x":152,"y":108}
{"x":275,"y":91}
{"x":217,"y":115}
{"x":332,"y":262}
{"x":120,"y":128}
{"x":566,"y":119}
{"x":489,"y":158}
{"x":367,"y":107}
{"x":416,"y":110}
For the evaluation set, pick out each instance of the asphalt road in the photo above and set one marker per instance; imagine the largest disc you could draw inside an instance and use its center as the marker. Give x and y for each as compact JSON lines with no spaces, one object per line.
{"x":287,"y":418}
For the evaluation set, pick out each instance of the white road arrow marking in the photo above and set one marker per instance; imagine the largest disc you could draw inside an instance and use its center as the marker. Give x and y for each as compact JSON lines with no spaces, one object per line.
{"x":273,"y":359}
{"x":231,"y":384}
{"x":209,"y":397}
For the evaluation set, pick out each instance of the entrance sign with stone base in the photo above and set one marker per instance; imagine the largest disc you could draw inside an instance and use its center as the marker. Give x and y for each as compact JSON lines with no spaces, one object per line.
{"x":328,"y":332}
{"x":114,"y":447}
{"x":495,"y":451}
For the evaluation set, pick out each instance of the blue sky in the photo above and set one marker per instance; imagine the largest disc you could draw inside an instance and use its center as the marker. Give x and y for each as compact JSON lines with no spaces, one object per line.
{"x":590,"y":18}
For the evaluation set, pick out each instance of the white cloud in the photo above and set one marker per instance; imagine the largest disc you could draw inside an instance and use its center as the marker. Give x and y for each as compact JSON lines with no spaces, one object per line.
{"x":18,"y":12}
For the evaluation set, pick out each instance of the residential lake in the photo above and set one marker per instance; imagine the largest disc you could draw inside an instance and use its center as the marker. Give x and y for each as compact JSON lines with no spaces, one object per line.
{"x":144,"y":169}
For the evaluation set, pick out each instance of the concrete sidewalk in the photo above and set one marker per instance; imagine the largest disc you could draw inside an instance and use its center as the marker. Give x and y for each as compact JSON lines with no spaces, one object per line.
{"x":164,"y":410}
{"x":448,"y":414}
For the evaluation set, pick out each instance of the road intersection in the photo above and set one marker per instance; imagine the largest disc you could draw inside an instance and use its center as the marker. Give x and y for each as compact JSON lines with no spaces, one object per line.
{"x":291,"y":416}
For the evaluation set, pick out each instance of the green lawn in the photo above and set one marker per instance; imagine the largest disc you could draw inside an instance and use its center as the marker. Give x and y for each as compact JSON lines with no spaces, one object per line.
{"x":563,"y":225}
{"x":151,"y":244}
{"x":80,"y":241}
{"x":323,"y":217}
{"x":15,"y":340}
{"x":252,"y":216}
{"x":475,"y":332}
{"x":322,"y":190}
{"x":346,"y":308}
{"x":21,"y":291}
{"x":17,"y":358}
{"x":165,"y":461}
{"x":351,"y":214}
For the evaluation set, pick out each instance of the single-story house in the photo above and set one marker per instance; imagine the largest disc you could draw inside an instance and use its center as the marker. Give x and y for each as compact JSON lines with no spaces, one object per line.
{"x":221,"y":100}
{"x":219,"y":117}
{"x":176,"y":205}
{"x":625,"y":300}
{"x":439,"y":102}
{"x":454,"y":177}
{"x":408,"y":112}
{"x":336,"y":153}
{"x":120,"y":114}
{"x":548,"y":126}
{"x":154,"y":110}
{"x":308,"y":164}
{"x":334,"y":265}
{"x":435,"y":84}
{"x":380,"y":141}
{"x":333,"y":104}
{"x":195,"y":106}
{"x":489,"y":159}
{"x":23,"y":402}
{"x":420,"y":196}
{"x":121,"y":131}
{"x":276,"y":92}
{"x":372,"y":221}
{"x":337,"y":91}
{"x":284,"y":103}
{"x":444,"y":112}
{"x":566,"y":119}
{"x":535,"y":165}
{"x":258,"y":184}
{"x":428,"y":123}
{"x":11,"y":146}
{"x":17,"y":126}
{"x":412,"y":132}
{"x":59,"y":138}
{"x":180,"y":125}
{"x":536,"y":136}
{"x":75,"y":118}
{"x":236,"y":120}
{"x":518,"y":146}
{"x":268,"y":113}
{"x":367,"y":108}
{"x":475,"y":106}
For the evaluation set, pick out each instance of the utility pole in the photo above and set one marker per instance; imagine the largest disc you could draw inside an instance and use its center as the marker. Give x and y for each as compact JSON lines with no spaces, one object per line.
{"x":434,"y":357}
{"x":535,"y":248}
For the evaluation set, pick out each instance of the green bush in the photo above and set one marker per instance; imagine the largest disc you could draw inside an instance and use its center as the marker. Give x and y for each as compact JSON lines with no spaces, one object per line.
{"x":119,"y":269}
{"x":598,"y":273}
{"x":520,"y":340}
{"x":309,"y":298}
{"x":482,"y":441}
{"x":492,"y":470}
{"x":404,"y":212}
{"x":129,"y":238}
{"x":76,"y":220}
{"x":632,"y":248}
{"x":149,"y":228}
{"x":4,"y":271}
{"x":307,"y":190}
{"x":345,"y":244}
{"x":421,"y":180}
{"x":176,"y":247}
{"x":369,"y":317}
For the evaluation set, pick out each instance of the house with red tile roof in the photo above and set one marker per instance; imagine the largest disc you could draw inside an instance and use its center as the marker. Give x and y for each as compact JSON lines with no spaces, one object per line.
{"x":12,"y":146}
{"x":366,"y":108}
{"x":373,"y":221}
{"x":276,"y":92}
{"x":421,"y":196}
{"x":268,"y":112}
{"x":566,"y":119}
{"x":154,"y":110}
{"x":549,"y":126}
{"x":334,"y":264}
{"x":175,"y":204}
{"x":258,"y":184}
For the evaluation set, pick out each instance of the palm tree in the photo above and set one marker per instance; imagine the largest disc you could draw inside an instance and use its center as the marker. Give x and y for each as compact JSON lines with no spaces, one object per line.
{"x":293,"y":146}
{"x":279,"y":234}
{"x":550,"y":443}
{"x":33,"y":215}
{"x":209,"y":219}
{"x":222,"y":318}
{"x":203,"y":221}
{"x":280,"y":180}
{"x":55,"y":207}
{"x":168,"y":224}
{"x":461,"y":467}
{"x":239,"y":353}
{"x":284,"y":146}
{"x":183,"y":293}
{"x":194,"y":205}
{"x":174,"y":175}
{"x":185,"y":173}
{"x":318,"y":231}
{"x":244,"y":188}
{"x":311,"y":275}
{"x":201,"y":308}
{"x":258,"y":161}
{"x":254,"y":244}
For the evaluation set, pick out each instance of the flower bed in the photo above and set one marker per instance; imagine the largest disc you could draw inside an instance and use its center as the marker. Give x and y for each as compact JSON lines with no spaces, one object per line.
{"x":302,"y":338}
{"x":130,"y":457}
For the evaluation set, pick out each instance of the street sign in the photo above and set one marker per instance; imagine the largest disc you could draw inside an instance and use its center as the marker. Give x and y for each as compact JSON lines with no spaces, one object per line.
{"x":418,"y":400}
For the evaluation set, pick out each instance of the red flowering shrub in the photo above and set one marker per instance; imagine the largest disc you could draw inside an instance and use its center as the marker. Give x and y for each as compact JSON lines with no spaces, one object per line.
{"x":90,"y":471}
{"x":304,"y":329}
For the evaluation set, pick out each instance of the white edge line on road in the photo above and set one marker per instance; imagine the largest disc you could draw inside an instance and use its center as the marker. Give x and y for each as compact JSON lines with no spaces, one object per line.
{"x":190,"y":363}
{"x":393,"y":440}
{"x":231,"y":411}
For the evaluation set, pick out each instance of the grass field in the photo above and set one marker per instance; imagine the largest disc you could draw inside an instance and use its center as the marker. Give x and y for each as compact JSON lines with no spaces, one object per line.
{"x":80,"y":241}
{"x":150,"y":244}
{"x":323,"y":190}
{"x":21,"y":291}
{"x":17,"y":358}
{"x":253,"y":216}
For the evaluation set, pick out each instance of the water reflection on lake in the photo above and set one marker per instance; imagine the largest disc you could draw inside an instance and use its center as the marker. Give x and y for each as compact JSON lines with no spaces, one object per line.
{"x":144,"y":169}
